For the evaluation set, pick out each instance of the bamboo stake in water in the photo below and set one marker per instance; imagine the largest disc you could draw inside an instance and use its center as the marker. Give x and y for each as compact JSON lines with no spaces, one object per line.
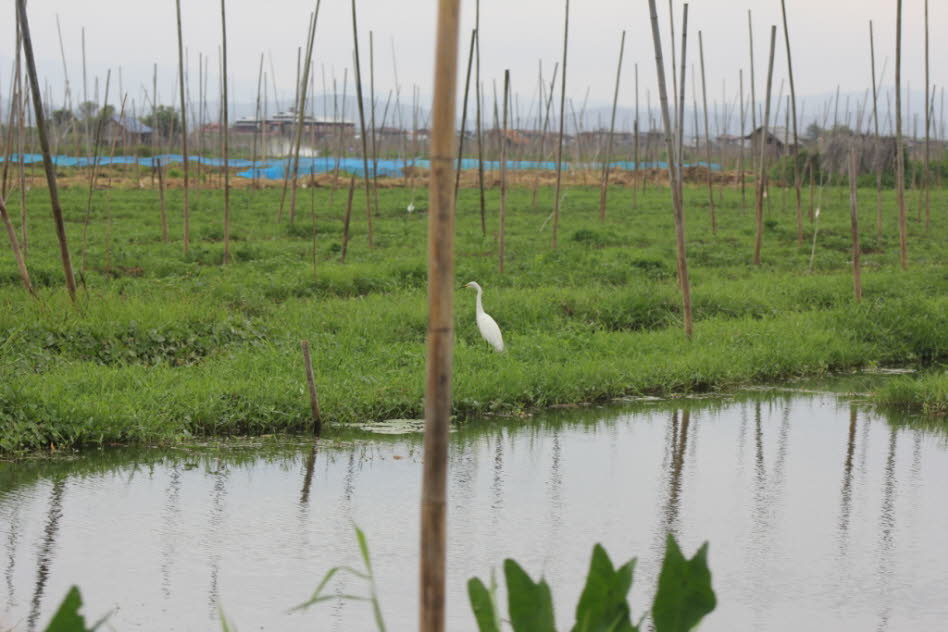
{"x":796,"y":139}
{"x":604,"y":188}
{"x":762,"y":174}
{"x":559,"y":151}
{"x":440,"y":341}
{"x":365,"y":145}
{"x":503,"y":173}
{"x":854,"y":223}
{"x":184,"y":133}
{"x":311,"y":386}
{"x":675,"y":175}
{"x":707,"y":134}
{"x":900,"y":148}
{"x":44,"y":146}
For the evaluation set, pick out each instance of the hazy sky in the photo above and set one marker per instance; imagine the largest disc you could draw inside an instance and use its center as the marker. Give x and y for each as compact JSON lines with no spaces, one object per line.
{"x":830,"y":42}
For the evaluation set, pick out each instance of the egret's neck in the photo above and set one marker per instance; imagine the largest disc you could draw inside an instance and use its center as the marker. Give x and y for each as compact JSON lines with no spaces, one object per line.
{"x":480,"y":303}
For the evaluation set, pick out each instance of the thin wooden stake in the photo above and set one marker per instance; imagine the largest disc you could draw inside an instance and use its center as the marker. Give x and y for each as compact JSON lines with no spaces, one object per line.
{"x":503,"y":174}
{"x":44,"y":146}
{"x":161,"y":200}
{"x":707,"y":134}
{"x":762,"y":175}
{"x":301,"y":109}
{"x":926,"y":178}
{"x":184,"y":133}
{"x":467,"y":89}
{"x":15,"y":247}
{"x":225,"y":131}
{"x":365,"y":146}
{"x":675,"y":175}
{"x":899,"y":142}
{"x":311,"y":385}
{"x":559,"y":151}
{"x":345,"y":226}
{"x":604,"y":188}
{"x":796,"y":139}
{"x":854,"y":223}
{"x":440,"y":341}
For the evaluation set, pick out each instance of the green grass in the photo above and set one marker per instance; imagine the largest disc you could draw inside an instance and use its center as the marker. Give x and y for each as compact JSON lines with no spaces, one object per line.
{"x":927,"y":393}
{"x":164,"y":346}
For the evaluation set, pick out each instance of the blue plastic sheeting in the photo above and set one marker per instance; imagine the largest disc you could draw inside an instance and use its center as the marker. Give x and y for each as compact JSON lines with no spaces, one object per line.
{"x":277,"y":169}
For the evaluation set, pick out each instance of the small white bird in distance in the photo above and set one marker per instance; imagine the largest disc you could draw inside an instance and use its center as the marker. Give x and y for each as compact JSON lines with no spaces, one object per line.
{"x":411,"y":207}
{"x":485,"y":324}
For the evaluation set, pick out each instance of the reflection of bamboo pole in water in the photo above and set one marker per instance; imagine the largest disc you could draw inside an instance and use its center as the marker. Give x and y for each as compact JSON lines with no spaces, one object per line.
{"x":170,"y":527}
{"x":308,"y":475}
{"x":887,"y":531}
{"x":680,"y":446}
{"x":215,"y":521}
{"x":555,"y":493}
{"x":13,"y":537}
{"x":44,"y":559}
{"x":845,"y":501}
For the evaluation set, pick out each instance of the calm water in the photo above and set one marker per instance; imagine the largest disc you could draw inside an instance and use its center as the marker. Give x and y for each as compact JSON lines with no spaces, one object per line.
{"x":821,"y":516}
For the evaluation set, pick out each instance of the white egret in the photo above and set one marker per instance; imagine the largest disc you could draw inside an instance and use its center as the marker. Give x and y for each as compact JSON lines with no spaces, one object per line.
{"x":485,"y":324}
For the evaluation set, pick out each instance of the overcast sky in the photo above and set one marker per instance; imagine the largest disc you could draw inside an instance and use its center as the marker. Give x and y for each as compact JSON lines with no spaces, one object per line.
{"x":830,"y":43}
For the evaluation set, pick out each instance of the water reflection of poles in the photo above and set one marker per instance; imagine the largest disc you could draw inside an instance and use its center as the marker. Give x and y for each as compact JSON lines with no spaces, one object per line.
{"x":679,"y":448}
{"x":13,"y":536}
{"x":887,"y":531}
{"x":170,"y":529}
{"x":846,"y":495}
{"x":308,"y":476}
{"x":215,"y":522}
{"x":46,"y":549}
{"x":555,"y":487}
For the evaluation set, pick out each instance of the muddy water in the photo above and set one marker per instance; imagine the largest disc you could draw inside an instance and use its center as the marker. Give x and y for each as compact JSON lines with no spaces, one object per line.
{"x":821,"y":515}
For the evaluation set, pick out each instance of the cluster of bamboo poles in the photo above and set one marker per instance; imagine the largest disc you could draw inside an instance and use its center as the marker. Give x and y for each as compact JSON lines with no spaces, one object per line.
{"x":447,"y":150}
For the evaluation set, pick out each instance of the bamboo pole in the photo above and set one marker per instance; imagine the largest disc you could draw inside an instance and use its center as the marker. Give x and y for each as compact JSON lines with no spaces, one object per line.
{"x":440,"y":341}
{"x":365,"y":146}
{"x":503,"y":174}
{"x":311,"y":387}
{"x":604,"y":188}
{"x":854,"y":224}
{"x":375,"y":148}
{"x":301,"y":109}
{"x":44,"y":146}
{"x":15,"y":247}
{"x":467,"y":89}
{"x":900,"y":148}
{"x":225,"y":132}
{"x":741,"y":148}
{"x":559,"y":151}
{"x":926,"y":179}
{"x":796,"y":138}
{"x":479,"y":114}
{"x":875,"y":118}
{"x":680,"y":126}
{"x":636,"y":173}
{"x":257,"y":113}
{"x":184,"y":133}
{"x":675,"y":175}
{"x":753,"y":103}
{"x":345,"y":222}
{"x":762,"y":175}
{"x":707,"y":134}
{"x":161,"y":200}
{"x":93,"y":174}
{"x":546,"y":124}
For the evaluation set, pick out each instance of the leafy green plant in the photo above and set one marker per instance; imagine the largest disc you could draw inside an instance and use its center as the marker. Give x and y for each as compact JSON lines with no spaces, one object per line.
{"x":683,"y":599}
{"x":67,"y":617}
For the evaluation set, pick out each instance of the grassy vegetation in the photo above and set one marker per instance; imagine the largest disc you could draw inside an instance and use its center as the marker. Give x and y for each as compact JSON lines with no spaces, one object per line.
{"x":927,"y":393}
{"x":164,"y":346}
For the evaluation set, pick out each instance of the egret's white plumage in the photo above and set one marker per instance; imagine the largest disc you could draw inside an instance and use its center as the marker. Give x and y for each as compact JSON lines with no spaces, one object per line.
{"x":485,"y":324}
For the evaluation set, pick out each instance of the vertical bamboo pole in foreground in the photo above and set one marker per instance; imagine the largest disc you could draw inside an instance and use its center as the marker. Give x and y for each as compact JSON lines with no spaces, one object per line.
{"x":674,"y":173}
{"x":440,"y":323}
{"x":44,"y":145}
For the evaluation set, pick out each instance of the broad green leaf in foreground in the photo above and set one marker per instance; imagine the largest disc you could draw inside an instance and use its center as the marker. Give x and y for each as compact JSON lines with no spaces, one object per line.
{"x":530,"y":604}
{"x":684,"y":594}
{"x":603,"y":606}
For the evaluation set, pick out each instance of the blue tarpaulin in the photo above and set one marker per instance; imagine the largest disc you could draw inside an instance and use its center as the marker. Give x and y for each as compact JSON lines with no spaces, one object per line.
{"x":276,"y":169}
